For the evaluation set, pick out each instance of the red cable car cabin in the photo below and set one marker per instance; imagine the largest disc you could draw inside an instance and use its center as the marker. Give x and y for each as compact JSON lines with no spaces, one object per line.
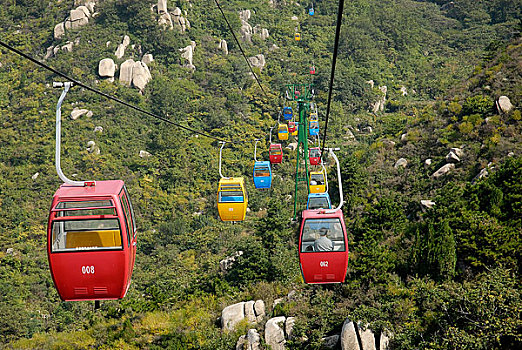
{"x":275,"y":152}
{"x":291,"y":127}
{"x":315,"y":156}
{"x":323,"y":253}
{"x":91,"y":241}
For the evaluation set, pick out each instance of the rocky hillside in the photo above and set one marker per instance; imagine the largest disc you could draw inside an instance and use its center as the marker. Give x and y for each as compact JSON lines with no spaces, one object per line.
{"x":426,"y":112}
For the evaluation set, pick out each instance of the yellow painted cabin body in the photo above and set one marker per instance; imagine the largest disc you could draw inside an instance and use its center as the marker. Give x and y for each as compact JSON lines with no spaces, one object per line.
{"x":317,"y":182}
{"x":232,"y":199}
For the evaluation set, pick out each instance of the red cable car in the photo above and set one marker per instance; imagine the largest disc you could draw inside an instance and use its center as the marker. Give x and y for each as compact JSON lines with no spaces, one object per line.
{"x":323,"y":253}
{"x":91,"y":241}
{"x":315,"y":156}
{"x":291,"y":127}
{"x":275,"y":152}
{"x":312,"y":70}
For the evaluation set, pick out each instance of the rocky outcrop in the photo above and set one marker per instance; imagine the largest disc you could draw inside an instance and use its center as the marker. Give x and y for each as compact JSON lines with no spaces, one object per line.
{"x":223,"y":46}
{"x":135,"y":73}
{"x":77,"y":113}
{"x":188,"y":54}
{"x":262,"y":32}
{"x":504,"y":105}
{"x":428,"y":204}
{"x":378,"y":106}
{"x":274,"y":333}
{"x":144,"y":154}
{"x":233,"y":314}
{"x":147,"y":58}
{"x":401,"y":163}
{"x":120,"y":51}
{"x":452,"y":158}
{"x":107,"y":68}
{"x":443,"y":170}
{"x":140,"y":75}
{"x":92,"y":148}
{"x":257,"y":61}
{"x":404,"y":91}
{"x":356,"y":337}
{"x":35,"y":176}
{"x":427,"y":162}
{"x":227,"y":263}
{"x":181,"y":22}
{"x":331,"y":342}
{"x":250,"y":341}
{"x":246,"y":30}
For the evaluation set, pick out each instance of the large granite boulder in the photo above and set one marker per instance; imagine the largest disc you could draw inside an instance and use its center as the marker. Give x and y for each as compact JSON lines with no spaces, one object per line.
{"x":232,"y":315}
{"x":274,"y":333}
{"x":106,"y":68}
{"x":443,"y":170}
{"x":504,"y":105}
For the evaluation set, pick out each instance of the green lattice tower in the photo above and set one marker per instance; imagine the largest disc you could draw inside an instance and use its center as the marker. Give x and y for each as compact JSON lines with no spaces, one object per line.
{"x":302,"y":93}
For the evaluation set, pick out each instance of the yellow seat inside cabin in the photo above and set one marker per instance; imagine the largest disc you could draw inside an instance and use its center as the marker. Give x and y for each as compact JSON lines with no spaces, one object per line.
{"x":103,"y":238}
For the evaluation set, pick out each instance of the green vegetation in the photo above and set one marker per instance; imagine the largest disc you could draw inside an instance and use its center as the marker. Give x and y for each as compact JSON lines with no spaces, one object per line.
{"x":441,"y":278}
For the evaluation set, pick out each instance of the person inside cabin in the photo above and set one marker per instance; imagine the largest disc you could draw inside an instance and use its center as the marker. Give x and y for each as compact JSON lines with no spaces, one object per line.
{"x":323,"y":243}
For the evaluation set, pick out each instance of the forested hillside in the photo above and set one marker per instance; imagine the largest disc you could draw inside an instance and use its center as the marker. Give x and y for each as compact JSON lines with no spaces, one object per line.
{"x":426,"y":111}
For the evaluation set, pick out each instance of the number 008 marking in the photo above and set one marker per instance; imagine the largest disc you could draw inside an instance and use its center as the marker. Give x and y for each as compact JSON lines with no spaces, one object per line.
{"x":88,"y":269}
{"x":323,"y":264}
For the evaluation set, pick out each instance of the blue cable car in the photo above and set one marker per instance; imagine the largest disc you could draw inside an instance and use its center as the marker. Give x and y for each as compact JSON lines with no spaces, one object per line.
{"x":288,"y":114}
{"x":318,"y":201}
{"x":262,"y":174}
{"x":314,"y":128}
{"x":311,"y":11}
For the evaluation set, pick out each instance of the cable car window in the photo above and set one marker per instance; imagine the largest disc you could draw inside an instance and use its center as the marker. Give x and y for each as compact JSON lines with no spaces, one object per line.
{"x":275,"y":151}
{"x":231,"y":197}
{"x":127,"y":218}
{"x":131,"y":210}
{"x":81,"y":235}
{"x":312,"y":229}
{"x":318,"y":202}
{"x":318,"y":178}
{"x":95,"y":208}
{"x":315,"y":153}
{"x":262,"y":171}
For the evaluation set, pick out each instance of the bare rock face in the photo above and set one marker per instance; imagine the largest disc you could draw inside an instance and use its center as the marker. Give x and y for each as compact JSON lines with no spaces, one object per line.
{"x":140,"y":75}
{"x":162,"y":6}
{"x":144,"y":154}
{"x":452,"y":157}
{"x":262,"y":32}
{"x":232,"y":315}
{"x":379,"y":105}
{"x":257,"y":61}
{"x":77,"y":18}
{"x":246,"y":30}
{"x":457,"y":151}
{"x":126,"y":71}
{"x":250,"y":314}
{"x":504,"y":105}
{"x":253,"y":339}
{"x":289,"y":327}
{"x":443,"y":170}
{"x":426,"y":203}
{"x":331,"y":342}
{"x":165,"y":21}
{"x":147,"y":58}
{"x":106,"y":68}
{"x":59,"y":31}
{"x":274,"y":334}
{"x":367,"y":339}
{"x":259,"y":309}
{"x":227,"y":263}
{"x":188,"y":54}
{"x":223,"y":46}
{"x":77,"y":113}
{"x":244,"y":15}
{"x":401,"y":163}
{"x":349,"y":337}
{"x":120,"y":51}
{"x":292,"y":146}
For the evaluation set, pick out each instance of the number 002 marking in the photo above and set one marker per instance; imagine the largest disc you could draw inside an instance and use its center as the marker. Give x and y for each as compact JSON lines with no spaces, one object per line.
{"x":323,"y":264}
{"x":88,"y":269}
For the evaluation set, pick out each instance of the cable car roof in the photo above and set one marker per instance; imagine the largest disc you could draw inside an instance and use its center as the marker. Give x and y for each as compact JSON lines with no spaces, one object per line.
{"x":102,"y":188}
{"x":231,"y":180}
{"x":321,"y":213}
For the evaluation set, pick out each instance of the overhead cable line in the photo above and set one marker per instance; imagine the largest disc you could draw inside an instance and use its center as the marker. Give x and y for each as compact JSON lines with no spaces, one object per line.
{"x":240,"y":48}
{"x":332,"y":74}
{"x":76,"y":82}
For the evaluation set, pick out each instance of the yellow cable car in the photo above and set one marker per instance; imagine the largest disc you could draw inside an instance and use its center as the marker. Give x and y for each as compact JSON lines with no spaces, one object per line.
{"x":317,"y":182}
{"x":297,"y":37}
{"x":314,"y":117}
{"x":232,"y":199}
{"x":282,"y":132}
